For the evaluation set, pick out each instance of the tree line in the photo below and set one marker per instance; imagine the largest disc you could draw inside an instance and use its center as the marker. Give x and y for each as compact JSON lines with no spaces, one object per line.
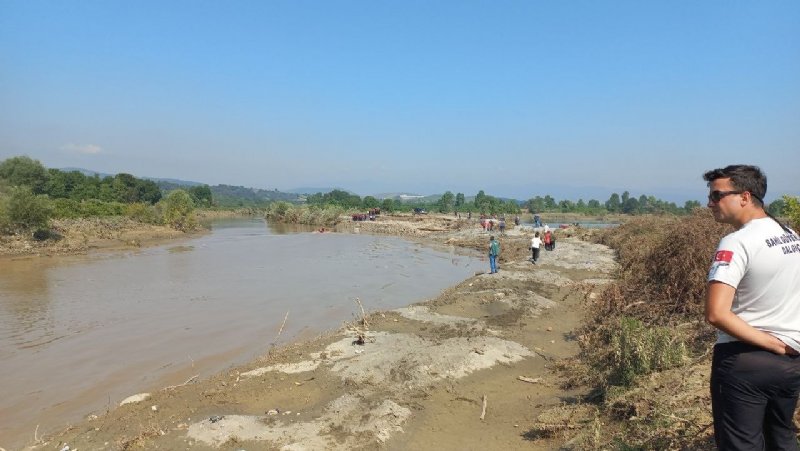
{"x":30,"y":195}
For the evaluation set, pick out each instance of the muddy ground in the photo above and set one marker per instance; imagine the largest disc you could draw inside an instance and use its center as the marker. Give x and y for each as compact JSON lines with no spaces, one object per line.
{"x":469,"y":369}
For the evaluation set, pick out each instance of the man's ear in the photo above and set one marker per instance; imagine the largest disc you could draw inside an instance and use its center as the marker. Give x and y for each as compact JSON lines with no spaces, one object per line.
{"x":747,"y":197}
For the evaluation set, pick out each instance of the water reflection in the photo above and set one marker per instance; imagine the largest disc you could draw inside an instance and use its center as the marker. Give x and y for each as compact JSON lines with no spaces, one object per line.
{"x":25,"y":314}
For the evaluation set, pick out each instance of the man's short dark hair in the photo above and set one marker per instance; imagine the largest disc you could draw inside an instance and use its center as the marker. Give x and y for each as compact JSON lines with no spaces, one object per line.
{"x":743,"y":177}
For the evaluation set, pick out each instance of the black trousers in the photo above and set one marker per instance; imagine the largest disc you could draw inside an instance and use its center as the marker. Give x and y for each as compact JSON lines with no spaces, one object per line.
{"x":753,"y":397}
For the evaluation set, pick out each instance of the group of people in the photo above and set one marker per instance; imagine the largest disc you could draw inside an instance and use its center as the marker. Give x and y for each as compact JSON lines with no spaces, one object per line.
{"x":546,"y":239}
{"x":488,"y":224}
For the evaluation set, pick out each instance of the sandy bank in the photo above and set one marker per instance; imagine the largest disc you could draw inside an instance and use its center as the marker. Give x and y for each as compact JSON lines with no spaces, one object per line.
{"x":75,"y":236}
{"x":411,"y":378}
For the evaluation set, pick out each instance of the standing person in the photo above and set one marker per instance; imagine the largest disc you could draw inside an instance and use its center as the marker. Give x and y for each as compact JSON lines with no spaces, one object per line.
{"x":548,"y":239}
{"x":502,"y":226}
{"x":494,"y":252}
{"x":536,"y":243}
{"x":753,"y":299}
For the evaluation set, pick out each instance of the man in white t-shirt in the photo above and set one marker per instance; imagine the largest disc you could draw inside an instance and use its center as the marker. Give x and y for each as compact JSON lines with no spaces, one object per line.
{"x":753,"y":299}
{"x":536,"y":243}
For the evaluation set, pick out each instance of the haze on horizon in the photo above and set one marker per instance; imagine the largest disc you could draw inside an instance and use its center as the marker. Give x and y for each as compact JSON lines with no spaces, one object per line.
{"x":517,"y":98}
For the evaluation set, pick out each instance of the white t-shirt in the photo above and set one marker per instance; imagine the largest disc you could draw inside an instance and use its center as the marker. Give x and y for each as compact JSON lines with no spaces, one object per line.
{"x":762,"y":261}
{"x":536,"y":242}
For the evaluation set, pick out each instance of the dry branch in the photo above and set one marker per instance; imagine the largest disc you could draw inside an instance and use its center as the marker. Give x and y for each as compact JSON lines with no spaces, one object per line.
{"x":483,"y":409}
{"x":529,"y":380}
{"x":363,"y":313}
{"x":281,"y":329}
{"x":181,"y":385}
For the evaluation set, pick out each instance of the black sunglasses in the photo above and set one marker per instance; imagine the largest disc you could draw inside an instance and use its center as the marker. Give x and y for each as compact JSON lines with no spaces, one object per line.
{"x":716,"y":196}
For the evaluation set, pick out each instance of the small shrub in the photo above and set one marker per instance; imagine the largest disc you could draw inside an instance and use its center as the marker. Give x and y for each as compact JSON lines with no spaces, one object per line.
{"x":45,"y":234}
{"x":23,"y":211}
{"x":639,"y":350}
{"x":177,"y":211}
{"x":71,"y":208}
{"x":141,"y":212}
{"x":303,"y":214}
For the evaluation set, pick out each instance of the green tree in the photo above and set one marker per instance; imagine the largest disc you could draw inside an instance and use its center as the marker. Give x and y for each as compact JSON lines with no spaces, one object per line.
{"x":776,"y":207}
{"x":480,"y":201}
{"x":388,"y":205}
{"x":549,"y":202}
{"x":342,"y":198}
{"x":792,"y":210}
{"x":201,"y":195}
{"x":690,"y":205}
{"x":460,"y":200}
{"x":625,"y":196}
{"x":630,"y":206}
{"x":24,"y":171}
{"x":177,"y":210}
{"x":446,"y":202}
{"x":535,"y":205}
{"x":371,"y":202}
{"x":646,"y":204}
{"x":566,"y":206}
{"x":613,"y":203}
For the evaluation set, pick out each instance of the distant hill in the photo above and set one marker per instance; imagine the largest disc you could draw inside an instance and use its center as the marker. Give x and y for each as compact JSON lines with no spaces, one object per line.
{"x":309,"y":190}
{"x":174,"y":181}
{"x":86,"y":172}
{"x":232,"y":196}
{"x":238,"y":196}
{"x":404,"y":197}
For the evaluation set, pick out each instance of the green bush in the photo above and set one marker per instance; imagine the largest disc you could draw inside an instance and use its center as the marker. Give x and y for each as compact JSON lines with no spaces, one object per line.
{"x":22,"y":211}
{"x":177,"y":211}
{"x":141,"y":212}
{"x":639,"y":350}
{"x":24,"y":171}
{"x":70,"y":208}
{"x":792,"y":210}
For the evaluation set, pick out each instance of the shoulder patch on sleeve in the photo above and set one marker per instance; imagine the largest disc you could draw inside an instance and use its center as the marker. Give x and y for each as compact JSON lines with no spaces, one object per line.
{"x":723,"y":256}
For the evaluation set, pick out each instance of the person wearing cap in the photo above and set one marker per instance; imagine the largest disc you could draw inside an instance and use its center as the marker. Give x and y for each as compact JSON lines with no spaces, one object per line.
{"x":753,"y":300}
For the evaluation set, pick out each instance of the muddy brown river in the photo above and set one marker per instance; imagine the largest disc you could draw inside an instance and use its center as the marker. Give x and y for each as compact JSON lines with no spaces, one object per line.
{"x":80,"y":333}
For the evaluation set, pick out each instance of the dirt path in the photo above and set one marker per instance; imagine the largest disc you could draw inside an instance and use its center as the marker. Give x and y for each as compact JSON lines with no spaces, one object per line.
{"x":411,"y":378}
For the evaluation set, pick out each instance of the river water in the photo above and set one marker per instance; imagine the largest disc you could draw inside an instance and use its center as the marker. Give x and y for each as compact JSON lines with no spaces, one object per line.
{"x":80,"y":333}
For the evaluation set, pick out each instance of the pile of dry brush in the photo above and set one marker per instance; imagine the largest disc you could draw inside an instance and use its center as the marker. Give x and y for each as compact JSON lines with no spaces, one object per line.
{"x":645,"y":332}
{"x":664,"y":262}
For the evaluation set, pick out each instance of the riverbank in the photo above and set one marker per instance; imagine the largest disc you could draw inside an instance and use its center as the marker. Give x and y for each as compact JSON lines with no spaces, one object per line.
{"x":78,"y":236}
{"x":411,"y":378}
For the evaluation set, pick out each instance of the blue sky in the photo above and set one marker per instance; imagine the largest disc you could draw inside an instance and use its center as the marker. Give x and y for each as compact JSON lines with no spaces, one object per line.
{"x":575,"y":99}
